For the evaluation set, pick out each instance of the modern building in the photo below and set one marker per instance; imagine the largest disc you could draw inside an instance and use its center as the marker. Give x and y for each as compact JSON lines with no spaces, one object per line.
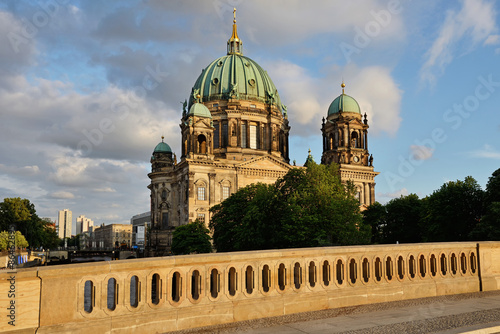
{"x":83,"y":224}
{"x":64,"y":223}
{"x":234,"y":130}
{"x":140,"y":225}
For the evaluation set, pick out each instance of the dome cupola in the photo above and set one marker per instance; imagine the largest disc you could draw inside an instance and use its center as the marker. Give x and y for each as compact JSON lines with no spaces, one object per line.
{"x":344,"y":103}
{"x":162,"y":147}
{"x":199,"y":110}
{"x":234,"y":76}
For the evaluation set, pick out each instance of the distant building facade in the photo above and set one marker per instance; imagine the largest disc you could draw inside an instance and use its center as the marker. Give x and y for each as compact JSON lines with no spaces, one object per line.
{"x":83,"y":224}
{"x":64,"y":223}
{"x":140,"y":224}
{"x":111,"y":236}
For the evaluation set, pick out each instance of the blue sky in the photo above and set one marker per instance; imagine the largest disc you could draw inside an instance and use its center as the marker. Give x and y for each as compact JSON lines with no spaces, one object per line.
{"x":88,"y":88}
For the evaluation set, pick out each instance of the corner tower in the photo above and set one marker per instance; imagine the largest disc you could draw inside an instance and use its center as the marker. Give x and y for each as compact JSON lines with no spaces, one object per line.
{"x":345,"y":142}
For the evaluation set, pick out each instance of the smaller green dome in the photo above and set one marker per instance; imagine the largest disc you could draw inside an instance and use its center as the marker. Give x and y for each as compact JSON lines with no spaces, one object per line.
{"x":198,"y":109}
{"x":162,"y":147}
{"x":344,"y":103}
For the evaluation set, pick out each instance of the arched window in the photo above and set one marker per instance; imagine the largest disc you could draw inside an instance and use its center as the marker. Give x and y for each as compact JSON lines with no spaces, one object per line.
{"x":202,"y":196}
{"x":354,"y":139}
{"x":202,"y":144}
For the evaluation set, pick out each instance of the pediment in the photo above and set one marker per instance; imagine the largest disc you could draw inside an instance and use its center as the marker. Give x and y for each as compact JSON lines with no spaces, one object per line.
{"x":265,"y":163}
{"x":203,"y":123}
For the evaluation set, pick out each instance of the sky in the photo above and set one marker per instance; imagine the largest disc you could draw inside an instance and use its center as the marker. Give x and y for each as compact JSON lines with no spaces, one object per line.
{"x":87,"y":89}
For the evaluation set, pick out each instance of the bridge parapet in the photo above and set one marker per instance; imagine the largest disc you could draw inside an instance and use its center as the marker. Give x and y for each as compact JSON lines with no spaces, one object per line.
{"x":179,"y":292}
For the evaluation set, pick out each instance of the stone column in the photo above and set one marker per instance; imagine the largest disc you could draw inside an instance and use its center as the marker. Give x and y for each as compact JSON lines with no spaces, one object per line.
{"x":211,"y":188}
{"x":367,"y":194}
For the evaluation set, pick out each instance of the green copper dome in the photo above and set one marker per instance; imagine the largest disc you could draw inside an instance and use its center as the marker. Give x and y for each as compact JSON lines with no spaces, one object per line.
{"x":162,"y":147}
{"x":344,"y":103}
{"x":198,"y":109}
{"x":235,"y":76}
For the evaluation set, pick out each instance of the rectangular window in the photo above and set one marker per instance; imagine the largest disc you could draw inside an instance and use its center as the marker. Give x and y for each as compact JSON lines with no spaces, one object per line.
{"x":201,"y":193}
{"x":216,"y":135}
{"x":225,"y":192}
{"x":201,"y":216}
{"x":243,"y":135}
{"x":224,"y":135}
{"x":253,"y":136}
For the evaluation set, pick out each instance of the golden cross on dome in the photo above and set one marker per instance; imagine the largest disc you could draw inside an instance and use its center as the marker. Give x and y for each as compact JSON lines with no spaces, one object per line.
{"x":234,"y":15}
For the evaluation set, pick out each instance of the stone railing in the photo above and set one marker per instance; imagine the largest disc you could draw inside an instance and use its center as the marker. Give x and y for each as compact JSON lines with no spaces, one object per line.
{"x":156,"y":295}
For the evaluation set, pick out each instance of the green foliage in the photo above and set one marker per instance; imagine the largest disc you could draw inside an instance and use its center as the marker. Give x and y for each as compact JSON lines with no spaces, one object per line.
{"x":453,"y":211}
{"x":374,"y":216}
{"x":21,"y":214}
{"x":403,"y":220}
{"x":20,"y":241}
{"x":191,"y":238}
{"x":306,"y":208}
{"x":489,"y":226}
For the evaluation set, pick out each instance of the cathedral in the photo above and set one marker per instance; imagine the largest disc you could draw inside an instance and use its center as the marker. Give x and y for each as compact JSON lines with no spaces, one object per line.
{"x":235,"y":132}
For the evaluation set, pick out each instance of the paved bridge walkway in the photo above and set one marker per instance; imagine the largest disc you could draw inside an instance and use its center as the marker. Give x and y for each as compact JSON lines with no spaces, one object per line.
{"x":477,"y":313}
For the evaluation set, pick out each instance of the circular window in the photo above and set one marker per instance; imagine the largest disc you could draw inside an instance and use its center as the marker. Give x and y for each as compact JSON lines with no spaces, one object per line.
{"x":219,"y":63}
{"x":215,"y":81}
{"x":247,"y":64}
{"x":251,"y":82}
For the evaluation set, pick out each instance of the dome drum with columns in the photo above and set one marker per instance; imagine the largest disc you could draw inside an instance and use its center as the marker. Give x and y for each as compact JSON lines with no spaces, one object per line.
{"x":235,"y":132}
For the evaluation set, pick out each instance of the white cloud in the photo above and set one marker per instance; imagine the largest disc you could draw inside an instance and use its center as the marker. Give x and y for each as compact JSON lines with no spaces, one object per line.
{"x":385,"y":197}
{"x":105,"y":190}
{"x":308,"y":98}
{"x":23,"y":171}
{"x":492,"y":40}
{"x":378,"y":95}
{"x":62,"y":195}
{"x":487,"y":152}
{"x":421,"y":152}
{"x":474,"y":23}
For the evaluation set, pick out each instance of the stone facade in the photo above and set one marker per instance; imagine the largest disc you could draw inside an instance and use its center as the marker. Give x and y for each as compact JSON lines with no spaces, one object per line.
{"x":345,"y":142}
{"x":111,"y":236}
{"x":155,"y":295}
{"x":235,"y":132}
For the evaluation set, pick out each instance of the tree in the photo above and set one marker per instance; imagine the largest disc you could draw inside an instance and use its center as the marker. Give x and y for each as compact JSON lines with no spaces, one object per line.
{"x":191,"y":238}
{"x":402,"y":220}
{"x":375,"y":216}
{"x":236,"y":222}
{"x":489,"y":226}
{"x":21,"y":214}
{"x":453,"y":211}
{"x":306,"y":208}
{"x":20,"y":241}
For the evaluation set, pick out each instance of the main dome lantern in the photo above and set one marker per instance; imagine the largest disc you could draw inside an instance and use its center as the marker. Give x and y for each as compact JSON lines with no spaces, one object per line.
{"x":235,"y":76}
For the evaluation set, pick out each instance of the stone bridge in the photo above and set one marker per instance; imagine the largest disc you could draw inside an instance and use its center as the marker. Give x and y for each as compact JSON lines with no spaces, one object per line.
{"x":157,"y":295}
